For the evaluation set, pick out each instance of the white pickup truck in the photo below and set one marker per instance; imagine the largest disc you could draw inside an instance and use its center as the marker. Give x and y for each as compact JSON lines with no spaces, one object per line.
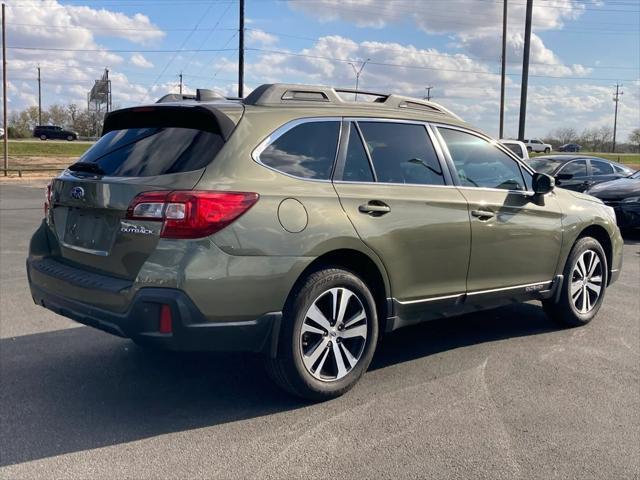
{"x":537,"y":145}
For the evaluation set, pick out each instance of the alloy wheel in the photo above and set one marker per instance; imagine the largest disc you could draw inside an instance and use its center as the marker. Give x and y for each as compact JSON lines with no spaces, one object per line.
{"x":586,"y":281}
{"x":333,"y":334}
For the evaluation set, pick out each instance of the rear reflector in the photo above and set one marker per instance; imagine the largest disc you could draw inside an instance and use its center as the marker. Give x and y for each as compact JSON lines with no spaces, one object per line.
{"x":191,"y":214}
{"x":47,"y":199}
{"x":165,"y":319}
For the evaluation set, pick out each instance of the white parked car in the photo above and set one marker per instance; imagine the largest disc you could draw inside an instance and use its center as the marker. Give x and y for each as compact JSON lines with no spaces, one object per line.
{"x":1,"y":132}
{"x":537,"y":145}
{"x":517,"y":147}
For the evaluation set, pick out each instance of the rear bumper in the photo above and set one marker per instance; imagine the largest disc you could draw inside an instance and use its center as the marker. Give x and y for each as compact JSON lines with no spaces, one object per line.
{"x":141,"y":320}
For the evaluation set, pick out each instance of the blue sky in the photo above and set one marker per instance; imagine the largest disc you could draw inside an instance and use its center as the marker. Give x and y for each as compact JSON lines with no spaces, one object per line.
{"x":580,"y":50}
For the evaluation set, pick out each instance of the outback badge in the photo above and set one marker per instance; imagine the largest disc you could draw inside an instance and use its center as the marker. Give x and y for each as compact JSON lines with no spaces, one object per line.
{"x":126,"y":227}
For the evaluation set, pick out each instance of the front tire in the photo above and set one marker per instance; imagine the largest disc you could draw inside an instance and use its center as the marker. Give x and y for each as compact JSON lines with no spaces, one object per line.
{"x":584,"y":286}
{"x":70,"y":138}
{"x":547,"y":150}
{"x":328,"y":336}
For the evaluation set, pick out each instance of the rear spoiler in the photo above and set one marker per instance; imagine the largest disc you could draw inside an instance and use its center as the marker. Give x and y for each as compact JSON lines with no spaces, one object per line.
{"x":198,"y":117}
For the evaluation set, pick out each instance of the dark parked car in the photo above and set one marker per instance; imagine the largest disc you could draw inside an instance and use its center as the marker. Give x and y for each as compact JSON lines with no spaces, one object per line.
{"x":577,"y":172}
{"x":46,"y":132}
{"x":624,"y":196}
{"x":569,"y":147}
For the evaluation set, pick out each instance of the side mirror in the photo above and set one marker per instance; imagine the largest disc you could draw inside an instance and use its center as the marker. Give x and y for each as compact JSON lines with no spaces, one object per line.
{"x":564,"y":176}
{"x":543,"y":183}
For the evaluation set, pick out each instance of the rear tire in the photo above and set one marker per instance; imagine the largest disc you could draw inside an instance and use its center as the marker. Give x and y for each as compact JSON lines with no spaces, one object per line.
{"x":328,"y":336}
{"x":584,"y":286}
{"x":43,"y":137}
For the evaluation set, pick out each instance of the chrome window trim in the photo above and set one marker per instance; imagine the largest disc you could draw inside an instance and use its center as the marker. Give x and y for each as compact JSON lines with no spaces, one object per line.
{"x":477,"y":292}
{"x":281,"y":130}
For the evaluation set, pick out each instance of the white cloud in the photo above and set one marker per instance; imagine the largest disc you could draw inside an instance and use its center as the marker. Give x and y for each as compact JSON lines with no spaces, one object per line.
{"x":448,"y":16}
{"x":139,"y":60}
{"x":68,"y":72}
{"x":260,"y":37}
{"x":463,"y":83}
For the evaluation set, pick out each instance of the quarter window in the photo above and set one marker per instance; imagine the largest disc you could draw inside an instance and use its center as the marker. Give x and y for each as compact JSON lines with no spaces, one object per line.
{"x":481,"y":164}
{"x":601,"y":168}
{"x":402,"y":153}
{"x":307,"y":150}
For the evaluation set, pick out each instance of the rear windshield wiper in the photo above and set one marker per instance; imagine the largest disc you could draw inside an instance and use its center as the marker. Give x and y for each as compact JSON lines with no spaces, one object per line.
{"x":89,"y":167}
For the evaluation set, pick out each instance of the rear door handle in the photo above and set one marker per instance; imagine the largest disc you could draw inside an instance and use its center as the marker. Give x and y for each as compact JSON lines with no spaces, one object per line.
{"x":374,"y":207}
{"x":482,"y":214}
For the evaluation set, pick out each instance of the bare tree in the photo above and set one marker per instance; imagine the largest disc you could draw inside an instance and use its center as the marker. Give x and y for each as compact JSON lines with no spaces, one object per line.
{"x":634,"y":137}
{"x":564,"y":135}
{"x":58,"y":115}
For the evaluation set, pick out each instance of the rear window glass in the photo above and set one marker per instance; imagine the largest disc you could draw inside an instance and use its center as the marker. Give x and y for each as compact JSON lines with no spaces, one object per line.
{"x":144,"y":152}
{"x":515,"y":148}
{"x":307,"y":150}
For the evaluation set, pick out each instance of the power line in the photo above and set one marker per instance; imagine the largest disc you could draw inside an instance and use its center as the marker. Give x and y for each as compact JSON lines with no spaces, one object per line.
{"x":420,"y":67}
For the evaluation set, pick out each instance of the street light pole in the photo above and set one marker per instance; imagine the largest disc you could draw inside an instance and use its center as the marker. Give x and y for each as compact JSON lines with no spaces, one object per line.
{"x":504,"y":66}
{"x":525,"y":69}
{"x":358,"y":71}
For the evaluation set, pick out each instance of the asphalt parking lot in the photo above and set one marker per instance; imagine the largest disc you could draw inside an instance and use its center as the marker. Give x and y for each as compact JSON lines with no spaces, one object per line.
{"x":500,"y":394}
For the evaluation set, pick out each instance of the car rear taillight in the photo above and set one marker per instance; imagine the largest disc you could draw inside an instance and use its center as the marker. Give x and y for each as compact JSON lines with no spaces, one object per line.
{"x":191,"y":214}
{"x":47,"y":199}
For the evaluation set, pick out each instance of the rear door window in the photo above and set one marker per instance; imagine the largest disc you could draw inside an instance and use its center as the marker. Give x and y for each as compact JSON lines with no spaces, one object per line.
{"x":402,"y":153}
{"x":143,"y":152}
{"x":307,"y":150}
{"x":601,"y":168}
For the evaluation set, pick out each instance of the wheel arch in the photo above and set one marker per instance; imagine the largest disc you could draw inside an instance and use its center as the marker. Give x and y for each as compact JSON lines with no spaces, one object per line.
{"x":602,"y":236}
{"x":371,"y":272}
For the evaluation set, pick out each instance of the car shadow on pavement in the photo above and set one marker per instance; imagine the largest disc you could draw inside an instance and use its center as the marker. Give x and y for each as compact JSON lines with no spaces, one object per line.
{"x":78,"y":389}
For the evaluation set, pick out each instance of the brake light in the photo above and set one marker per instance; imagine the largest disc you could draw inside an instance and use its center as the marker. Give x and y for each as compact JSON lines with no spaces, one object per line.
{"x":47,"y":199}
{"x":191,"y":214}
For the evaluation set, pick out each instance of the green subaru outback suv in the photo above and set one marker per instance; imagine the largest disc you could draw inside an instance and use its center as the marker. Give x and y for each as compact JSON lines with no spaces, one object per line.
{"x":301,"y":226}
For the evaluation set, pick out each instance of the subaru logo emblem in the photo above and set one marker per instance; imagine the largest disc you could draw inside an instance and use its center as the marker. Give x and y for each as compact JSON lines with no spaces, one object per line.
{"x":77,"y":193}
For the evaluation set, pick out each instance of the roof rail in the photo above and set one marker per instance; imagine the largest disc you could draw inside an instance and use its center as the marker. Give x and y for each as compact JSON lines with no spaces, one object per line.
{"x":282,"y":93}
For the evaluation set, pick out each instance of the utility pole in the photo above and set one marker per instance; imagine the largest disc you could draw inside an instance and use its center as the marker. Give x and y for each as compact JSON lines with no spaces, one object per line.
{"x":616,"y":99}
{"x":4,"y":93}
{"x":503,"y":72}
{"x":39,"y":98}
{"x":525,"y":70}
{"x":241,"y":52}
{"x":358,"y":71}
{"x":180,"y":82}
{"x":428,"y":96}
